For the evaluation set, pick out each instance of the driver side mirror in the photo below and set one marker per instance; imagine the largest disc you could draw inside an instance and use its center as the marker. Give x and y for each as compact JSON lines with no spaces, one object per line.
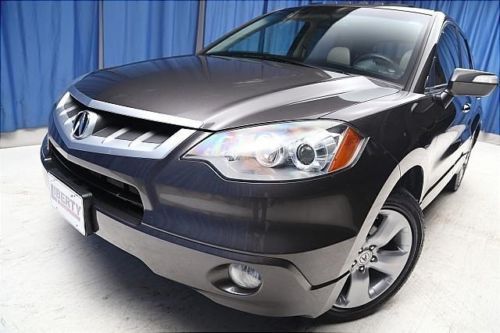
{"x":470,"y":82}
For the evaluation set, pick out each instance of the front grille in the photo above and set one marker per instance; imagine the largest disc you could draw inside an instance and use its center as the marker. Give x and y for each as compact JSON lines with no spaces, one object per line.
{"x":111,"y":195}
{"x":123,"y":129}
{"x":117,"y":134}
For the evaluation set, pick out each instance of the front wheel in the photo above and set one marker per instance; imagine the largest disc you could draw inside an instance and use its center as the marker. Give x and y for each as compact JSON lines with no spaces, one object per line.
{"x":385,"y":260}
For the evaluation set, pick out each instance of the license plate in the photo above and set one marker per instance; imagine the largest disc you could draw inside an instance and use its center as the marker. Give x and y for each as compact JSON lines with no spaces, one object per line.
{"x":68,"y":203}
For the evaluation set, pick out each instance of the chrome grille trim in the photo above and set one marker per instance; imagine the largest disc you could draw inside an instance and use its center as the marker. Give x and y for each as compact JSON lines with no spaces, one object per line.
{"x":141,"y":138}
{"x":112,"y":144}
{"x":115,"y":135}
{"x":132,"y":112}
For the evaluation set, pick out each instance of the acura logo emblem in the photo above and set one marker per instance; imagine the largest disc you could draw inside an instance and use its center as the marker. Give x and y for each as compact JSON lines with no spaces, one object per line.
{"x":365,"y":257}
{"x":81,"y":128}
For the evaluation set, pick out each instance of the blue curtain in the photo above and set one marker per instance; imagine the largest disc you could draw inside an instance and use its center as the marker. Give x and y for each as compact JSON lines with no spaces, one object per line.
{"x":44,"y":46}
{"x":139,"y":30}
{"x":280,"y":4}
{"x":222,"y":16}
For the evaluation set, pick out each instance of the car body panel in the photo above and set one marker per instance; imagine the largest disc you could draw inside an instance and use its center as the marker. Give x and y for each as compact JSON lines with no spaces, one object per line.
{"x":229,"y":92}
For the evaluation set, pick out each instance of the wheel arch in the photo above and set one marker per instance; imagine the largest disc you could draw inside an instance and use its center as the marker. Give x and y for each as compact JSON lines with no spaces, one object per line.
{"x":413,"y":182}
{"x":413,"y":165}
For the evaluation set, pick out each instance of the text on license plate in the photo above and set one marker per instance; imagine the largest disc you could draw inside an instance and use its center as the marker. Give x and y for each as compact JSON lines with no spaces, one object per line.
{"x":67,"y":202}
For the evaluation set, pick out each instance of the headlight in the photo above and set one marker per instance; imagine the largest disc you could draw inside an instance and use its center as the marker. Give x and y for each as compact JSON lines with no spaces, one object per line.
{"x":284,"y":151}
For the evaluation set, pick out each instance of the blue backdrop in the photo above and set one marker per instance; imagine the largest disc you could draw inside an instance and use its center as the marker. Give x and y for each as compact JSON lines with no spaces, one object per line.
{"x":138,"y":30}
{"x":44,"y":45}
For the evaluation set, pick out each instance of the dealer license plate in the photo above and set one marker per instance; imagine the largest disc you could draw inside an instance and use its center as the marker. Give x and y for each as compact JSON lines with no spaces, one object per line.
{"x":68,"y":203}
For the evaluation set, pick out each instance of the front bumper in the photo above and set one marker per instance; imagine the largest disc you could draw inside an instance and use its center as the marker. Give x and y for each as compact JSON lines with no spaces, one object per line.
{"x":285,"y":291}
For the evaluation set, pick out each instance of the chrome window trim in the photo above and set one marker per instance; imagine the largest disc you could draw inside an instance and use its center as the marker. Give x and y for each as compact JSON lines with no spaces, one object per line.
{"x":132,"y":112}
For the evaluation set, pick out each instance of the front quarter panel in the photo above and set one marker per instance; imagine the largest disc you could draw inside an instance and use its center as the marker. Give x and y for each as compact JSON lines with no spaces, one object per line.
{"x":406,"y":123}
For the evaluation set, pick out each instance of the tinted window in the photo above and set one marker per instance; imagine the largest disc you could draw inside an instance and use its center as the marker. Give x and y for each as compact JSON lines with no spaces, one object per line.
{"x":447,"y":58}
{"x":464,"y":52}
{"x":436,"y":76}
{"x":368,"y":41}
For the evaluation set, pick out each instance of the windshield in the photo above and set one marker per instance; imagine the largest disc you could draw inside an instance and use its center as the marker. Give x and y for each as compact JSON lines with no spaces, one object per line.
{"x":369,"y":41}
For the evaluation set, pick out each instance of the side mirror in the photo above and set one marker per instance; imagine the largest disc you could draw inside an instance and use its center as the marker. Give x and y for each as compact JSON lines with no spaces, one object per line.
{"x":470,"y":82}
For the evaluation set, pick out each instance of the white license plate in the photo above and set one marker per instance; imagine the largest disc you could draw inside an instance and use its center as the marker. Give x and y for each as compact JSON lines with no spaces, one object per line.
{"x":67,"y":202}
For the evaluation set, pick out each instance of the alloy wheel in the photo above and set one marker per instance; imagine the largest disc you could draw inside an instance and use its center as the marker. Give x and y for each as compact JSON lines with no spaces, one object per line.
{"x":380,"y":260}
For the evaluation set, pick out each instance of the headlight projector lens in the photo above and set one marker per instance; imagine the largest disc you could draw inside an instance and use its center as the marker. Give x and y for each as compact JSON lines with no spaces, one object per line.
{"x":305,"y":154}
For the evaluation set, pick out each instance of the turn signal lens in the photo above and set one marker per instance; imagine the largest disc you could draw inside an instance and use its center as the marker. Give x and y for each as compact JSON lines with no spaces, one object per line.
{"x":347,"y":151}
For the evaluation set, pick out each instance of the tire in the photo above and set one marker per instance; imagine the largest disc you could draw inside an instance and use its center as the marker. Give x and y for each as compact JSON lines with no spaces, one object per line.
{"x":401,"y":202}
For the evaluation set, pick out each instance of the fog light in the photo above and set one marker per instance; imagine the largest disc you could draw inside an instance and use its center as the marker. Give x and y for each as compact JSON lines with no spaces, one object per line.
{"x":244,"y":276}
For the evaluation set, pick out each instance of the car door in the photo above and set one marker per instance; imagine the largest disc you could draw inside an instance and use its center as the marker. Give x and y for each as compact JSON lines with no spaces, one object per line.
{"x":472,"y":106}
{"x":451,"y":114}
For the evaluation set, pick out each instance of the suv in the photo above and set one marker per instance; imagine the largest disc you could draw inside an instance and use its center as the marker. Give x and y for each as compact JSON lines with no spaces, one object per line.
{"x":283,"y":170}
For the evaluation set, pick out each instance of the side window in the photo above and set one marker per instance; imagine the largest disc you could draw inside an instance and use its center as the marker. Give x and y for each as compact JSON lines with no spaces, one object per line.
{"x":465,"y":54}
{"x":446,"y":59}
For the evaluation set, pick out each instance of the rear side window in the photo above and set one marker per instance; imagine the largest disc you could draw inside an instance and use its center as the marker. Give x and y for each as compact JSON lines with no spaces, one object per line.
{"x":447,"y":58}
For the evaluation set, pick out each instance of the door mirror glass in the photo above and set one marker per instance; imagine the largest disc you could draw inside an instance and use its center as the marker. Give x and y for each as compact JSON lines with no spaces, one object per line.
{"x":470,"y":82}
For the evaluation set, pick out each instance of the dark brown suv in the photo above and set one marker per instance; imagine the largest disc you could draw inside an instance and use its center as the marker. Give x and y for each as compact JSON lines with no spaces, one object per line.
{"x":283,"y":170}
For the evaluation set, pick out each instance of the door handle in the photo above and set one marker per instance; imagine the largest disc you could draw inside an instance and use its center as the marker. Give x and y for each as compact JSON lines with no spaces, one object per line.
{"x":466,"y":108}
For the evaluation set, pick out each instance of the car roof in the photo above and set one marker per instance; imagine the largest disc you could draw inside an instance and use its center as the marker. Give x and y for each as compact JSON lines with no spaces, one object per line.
{"x":402,"y":8}
{"x":410,"y":9}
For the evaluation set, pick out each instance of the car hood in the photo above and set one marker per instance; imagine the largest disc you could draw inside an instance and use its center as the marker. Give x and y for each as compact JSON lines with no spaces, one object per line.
{"x":214,"y":93}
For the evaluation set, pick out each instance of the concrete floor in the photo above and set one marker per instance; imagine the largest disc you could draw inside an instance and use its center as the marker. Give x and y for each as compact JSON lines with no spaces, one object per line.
{"x":54,"y":280}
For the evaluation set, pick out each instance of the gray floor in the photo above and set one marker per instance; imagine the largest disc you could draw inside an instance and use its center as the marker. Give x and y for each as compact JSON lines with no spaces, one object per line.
{"x":53,"y":280}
